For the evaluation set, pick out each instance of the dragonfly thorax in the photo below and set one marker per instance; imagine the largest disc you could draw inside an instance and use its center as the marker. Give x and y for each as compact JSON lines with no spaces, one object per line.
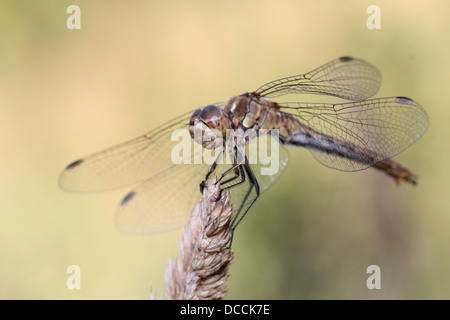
{"x":254,"y":111}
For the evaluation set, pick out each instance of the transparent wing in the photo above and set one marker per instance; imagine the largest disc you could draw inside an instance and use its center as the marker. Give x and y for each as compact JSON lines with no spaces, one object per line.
{"x":166,"y":191}
{"x":162,"y":202}
{"x":126,"y":163}
{"x":385,"y":126}
{"x":271,"y":163}
{"x":165,"y":201}
{"x":346,"y":77}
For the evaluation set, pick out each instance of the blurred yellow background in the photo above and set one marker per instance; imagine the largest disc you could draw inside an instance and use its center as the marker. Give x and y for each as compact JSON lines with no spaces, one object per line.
{"x":136,"y":64}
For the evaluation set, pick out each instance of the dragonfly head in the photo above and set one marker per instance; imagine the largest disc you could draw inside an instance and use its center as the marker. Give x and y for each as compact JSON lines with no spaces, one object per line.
{"x":208,"y":126}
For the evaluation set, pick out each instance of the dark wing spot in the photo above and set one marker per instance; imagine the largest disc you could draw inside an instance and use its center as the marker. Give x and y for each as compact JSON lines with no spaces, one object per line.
{"x":74,"y":164}
{"x":345,"y":59}
{"x":403,"y":100}
{"x":127,"y":198}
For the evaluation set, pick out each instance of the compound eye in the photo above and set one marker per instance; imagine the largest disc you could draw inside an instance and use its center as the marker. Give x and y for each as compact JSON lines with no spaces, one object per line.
{"x":211,"y":115}
{"x":194,"y":116}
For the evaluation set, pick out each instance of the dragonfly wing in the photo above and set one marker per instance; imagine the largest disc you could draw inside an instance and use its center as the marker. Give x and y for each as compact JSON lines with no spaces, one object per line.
{"x":270,"y":170}
{"x":346,"y":77}
{"x":162,"y":202}
{"x":385,"y":126}
{"x":126,"y":163}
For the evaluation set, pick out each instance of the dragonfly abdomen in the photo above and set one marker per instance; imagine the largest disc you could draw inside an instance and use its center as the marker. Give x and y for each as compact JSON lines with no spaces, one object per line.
{"x":316,"y":141}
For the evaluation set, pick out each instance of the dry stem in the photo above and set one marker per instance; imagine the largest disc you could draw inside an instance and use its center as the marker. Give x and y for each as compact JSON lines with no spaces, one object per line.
{"x":202,"y":270}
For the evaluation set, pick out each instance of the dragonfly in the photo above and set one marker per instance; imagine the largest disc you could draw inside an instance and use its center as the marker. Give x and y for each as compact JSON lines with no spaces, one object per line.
{"x":351,"y":134}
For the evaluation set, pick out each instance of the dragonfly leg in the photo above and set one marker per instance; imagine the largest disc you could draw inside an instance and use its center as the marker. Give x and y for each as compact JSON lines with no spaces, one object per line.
{"x":238,"y":172}
{"x":211,"y":170}
{"x":253,"y":185}
{"x":203,"y":183}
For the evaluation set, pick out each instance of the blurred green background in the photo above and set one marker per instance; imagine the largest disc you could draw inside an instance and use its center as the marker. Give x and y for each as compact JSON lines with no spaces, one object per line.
{"x":136,"y":64}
